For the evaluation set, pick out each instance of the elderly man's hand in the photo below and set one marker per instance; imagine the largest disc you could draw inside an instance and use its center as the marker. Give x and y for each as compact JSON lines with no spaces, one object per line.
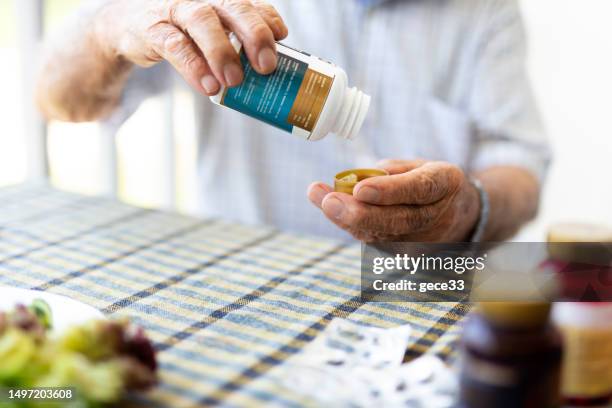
{"x":420,"y":201}
{"x":192,"y":36}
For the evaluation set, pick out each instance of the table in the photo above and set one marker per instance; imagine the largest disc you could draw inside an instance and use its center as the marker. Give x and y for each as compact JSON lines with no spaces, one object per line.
{"x":225,"y":304}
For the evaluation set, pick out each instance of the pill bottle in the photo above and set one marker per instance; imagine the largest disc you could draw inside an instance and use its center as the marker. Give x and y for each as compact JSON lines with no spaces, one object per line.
{"x":583,"y":251}
{"x":510,"y":357}
{"x":305,"y":96}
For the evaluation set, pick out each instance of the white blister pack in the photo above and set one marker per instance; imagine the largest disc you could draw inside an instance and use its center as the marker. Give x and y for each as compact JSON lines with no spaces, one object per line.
{"x":350,"y":365}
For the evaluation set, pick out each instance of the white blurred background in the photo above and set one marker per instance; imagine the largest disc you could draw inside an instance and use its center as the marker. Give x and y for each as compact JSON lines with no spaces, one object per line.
{"x":570,"y":65}
{"x":571,"y":69}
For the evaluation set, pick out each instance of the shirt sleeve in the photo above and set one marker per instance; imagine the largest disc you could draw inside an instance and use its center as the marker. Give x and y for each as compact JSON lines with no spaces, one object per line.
{"x":143,"y":83}
{"x":508,"y":127}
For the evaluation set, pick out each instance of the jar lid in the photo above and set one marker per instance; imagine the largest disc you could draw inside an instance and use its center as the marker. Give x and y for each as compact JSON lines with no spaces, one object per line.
{"x":346,"y":181}
{"x":577,"y":232}
{"x":516,"y":314}
{"x":580,"y":243}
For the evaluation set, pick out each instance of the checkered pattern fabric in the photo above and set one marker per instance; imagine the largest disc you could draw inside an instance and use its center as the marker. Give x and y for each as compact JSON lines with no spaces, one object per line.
{"x":225,"y":304}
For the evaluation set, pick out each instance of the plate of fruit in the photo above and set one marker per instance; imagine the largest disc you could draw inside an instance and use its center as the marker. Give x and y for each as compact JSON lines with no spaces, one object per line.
{"x":54,"y":342}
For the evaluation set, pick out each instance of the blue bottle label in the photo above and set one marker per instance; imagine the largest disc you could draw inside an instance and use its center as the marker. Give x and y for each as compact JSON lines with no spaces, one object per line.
{"x":293,"y":95}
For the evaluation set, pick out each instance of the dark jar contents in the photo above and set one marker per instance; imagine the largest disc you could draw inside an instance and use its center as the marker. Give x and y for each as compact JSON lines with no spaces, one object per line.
{"x":511,"y":358}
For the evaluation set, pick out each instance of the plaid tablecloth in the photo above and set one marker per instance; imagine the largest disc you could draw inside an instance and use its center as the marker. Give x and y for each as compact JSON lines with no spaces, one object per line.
{"x":225,"y":304}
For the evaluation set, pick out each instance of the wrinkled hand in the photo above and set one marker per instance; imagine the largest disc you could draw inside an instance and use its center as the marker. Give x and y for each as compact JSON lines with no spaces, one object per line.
{"x":192,"y":36}
{"x":420,"y":201}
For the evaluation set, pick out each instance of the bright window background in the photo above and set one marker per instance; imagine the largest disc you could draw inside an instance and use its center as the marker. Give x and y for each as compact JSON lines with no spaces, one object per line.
{"x":570,"y":64}
{"x":571,"y":69}
{"x":12,"y":147}
{"x":74,"y":149}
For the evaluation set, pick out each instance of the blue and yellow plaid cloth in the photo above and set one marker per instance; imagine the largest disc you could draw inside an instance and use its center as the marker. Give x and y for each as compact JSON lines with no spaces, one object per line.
{"x":225,"y":304}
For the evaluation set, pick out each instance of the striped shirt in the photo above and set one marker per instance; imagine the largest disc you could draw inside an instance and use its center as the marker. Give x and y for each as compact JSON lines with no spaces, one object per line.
{"x":447,"y":79}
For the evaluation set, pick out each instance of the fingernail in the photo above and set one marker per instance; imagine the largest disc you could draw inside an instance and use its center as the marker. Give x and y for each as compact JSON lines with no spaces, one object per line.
{"x":267,"y":60}
{"x":318,"y":194}
{"x":233,"y":74}
{"x":368,"y":194}
{"x":280,"y":30}
{"x":210,"y":84}
{"x":334,"y":208}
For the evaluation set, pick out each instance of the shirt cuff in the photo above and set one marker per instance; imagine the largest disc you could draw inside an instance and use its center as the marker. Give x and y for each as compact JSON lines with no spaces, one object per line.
{"x":534,"y":158}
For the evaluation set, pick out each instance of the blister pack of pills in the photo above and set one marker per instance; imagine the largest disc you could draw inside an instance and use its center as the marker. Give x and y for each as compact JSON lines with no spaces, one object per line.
{"x":361,"y":366}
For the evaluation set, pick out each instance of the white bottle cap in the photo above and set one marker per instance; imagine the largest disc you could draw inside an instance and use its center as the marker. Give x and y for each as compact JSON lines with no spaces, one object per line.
{"x":354,"y":110}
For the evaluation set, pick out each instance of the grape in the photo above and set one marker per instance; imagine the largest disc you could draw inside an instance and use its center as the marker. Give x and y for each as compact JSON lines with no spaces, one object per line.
{"x":43,"y":312}
{"x":98,"y":340}
{"x":26,"y":320}
{"x":138,"y":345}
{"x":16,"y":351}
{"x":100,"y":382}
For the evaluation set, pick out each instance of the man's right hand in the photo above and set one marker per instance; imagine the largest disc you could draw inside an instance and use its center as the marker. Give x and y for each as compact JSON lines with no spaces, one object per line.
{"x":192,"y":36}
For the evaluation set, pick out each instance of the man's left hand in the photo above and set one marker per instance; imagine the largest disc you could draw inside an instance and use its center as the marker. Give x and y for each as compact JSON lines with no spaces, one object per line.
{"x":420,"y":201}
